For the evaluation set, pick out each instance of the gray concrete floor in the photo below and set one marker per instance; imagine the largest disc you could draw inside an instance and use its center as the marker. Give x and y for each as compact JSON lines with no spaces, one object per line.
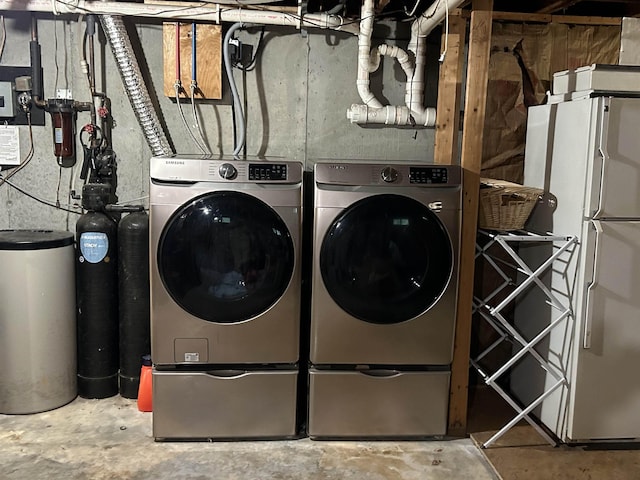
{"x":111,"y":439}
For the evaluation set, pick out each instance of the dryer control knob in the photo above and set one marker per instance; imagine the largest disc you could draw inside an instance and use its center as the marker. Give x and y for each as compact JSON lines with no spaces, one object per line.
{"x":389,"y":174}
{"x":227,"y":171}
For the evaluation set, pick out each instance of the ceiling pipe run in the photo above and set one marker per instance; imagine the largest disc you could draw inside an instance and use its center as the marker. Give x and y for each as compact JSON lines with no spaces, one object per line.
{"x":210,"y":12}
{"x":413,"y":113}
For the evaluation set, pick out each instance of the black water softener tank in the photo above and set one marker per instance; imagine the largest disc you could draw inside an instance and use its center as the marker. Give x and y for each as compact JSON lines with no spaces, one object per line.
{"x":133,"y":295}
{"x":97,"y":299}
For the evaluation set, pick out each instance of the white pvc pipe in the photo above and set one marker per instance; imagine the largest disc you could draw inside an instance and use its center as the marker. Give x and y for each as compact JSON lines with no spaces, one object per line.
{"x":396,"y":52}
{"x":433,"y":16}
{"x":430,"y":18}
{"x":367,"y":62}
{"x":391,"y":115}
{"x":210,"y":13}
{"x":414,"y":112}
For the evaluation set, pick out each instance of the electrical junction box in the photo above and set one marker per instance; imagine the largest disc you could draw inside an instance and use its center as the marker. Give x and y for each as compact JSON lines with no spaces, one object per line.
{"x":7,"y":100}
{"x":9,"y":146}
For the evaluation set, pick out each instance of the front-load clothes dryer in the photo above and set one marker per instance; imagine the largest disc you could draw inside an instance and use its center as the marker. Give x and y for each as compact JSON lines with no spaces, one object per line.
{"x":225,"y":295}
{"x":384,"y":294}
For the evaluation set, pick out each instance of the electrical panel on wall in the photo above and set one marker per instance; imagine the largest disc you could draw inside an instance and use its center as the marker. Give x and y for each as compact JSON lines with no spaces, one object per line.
{"x":192,"y":56}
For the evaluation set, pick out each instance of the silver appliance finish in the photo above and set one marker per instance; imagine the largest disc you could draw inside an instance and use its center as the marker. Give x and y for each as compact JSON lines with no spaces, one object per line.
{"x":382,"y":379}
{"x":225,"y":379}
{"x":177,"y":337}
{"x":340,"y":338}
{"x":224,"y":404}
{"x":381,"y":404}
{"x":37,"y":321}
{"x":585,"y":153}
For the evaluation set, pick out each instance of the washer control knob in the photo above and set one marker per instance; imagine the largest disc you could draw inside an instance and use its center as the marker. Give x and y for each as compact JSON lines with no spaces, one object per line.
{"x":389,"y":174}
{"x":228,"y":171}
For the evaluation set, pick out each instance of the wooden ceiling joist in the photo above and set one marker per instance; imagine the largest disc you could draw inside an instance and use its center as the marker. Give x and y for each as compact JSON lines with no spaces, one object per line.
{"x":557,"y":5}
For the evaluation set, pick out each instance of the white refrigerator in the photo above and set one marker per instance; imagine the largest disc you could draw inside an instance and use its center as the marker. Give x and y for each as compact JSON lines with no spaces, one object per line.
{"x":586,"y":154}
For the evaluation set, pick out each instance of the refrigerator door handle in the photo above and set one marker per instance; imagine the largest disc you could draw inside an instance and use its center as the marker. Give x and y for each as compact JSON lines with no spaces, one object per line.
{"x":603,"y":149}
{"x":588,"y":323}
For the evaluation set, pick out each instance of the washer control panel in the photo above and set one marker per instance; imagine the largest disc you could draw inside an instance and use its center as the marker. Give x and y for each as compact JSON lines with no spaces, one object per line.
{"x":428,"y":175}
{"x":263,"y":171}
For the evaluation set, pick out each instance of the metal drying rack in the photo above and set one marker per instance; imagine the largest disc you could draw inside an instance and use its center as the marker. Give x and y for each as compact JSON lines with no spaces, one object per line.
{"x":527,"y":277}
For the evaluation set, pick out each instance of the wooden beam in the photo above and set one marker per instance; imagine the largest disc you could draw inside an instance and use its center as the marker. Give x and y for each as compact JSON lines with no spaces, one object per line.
{"x":471,"y":160}
{"x":579,"y":20}
{"x":449,"y":92}
{"x":556,"y":5}
{"x":546,"y":18}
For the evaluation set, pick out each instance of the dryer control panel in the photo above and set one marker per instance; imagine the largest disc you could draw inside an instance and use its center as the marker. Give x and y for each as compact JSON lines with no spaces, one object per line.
{"x":388,"y":175}
{"x":264,"y":171}
{"x":428,"y":175}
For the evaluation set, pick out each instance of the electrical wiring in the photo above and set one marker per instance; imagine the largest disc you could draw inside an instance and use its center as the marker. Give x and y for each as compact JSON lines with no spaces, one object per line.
{"x":6,"y":178}
{"x":3,"y":41}
{"x":65,"y":208}
{"x":55,"y":55}
{"x":240,"y":3}
{"x":446,"y":31}
{"x":58,"y":187}
{"x":252,"y":63}
{"x":240,"y":137}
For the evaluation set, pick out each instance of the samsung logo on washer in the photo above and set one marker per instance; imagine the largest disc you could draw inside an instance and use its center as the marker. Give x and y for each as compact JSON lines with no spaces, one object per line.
{"x":174,"y":162}
{"x":338,"y":167}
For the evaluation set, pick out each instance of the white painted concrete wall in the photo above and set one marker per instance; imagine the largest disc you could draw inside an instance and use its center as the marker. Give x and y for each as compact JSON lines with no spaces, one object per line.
{"x":297,"y":96}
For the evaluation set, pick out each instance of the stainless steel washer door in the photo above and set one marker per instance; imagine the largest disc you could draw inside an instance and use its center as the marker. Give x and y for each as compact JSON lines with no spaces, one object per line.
{"x":386,"y":259}
{"x":225,"y":257}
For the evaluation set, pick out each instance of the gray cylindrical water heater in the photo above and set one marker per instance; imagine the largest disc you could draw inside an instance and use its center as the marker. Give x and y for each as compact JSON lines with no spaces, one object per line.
{"x":37,"y":320}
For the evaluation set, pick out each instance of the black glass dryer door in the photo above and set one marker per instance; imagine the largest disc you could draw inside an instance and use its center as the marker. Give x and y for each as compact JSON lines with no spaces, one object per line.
{"x":386,"y":259}
{"x":225,"y":257}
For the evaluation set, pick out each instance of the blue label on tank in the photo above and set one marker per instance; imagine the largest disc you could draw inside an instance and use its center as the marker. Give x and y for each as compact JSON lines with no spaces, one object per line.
{"x":94,"y":246}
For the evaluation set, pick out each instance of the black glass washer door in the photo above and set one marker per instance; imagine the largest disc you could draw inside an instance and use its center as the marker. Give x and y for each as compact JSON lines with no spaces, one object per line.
{"x":386,"y":259}
{"x":225,"y":257}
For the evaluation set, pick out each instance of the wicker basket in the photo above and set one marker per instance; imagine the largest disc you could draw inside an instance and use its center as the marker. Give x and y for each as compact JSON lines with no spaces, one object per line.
{"x":505,"y":206}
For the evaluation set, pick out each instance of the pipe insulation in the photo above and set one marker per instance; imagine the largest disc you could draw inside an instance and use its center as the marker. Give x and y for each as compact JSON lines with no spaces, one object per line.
{"x":210,"y":12}
{"x":135,"y":86}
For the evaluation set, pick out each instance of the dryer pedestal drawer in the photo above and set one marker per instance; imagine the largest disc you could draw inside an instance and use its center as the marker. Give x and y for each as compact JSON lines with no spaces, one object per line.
{"x":377,"y":404}
{"x":224,"y":404}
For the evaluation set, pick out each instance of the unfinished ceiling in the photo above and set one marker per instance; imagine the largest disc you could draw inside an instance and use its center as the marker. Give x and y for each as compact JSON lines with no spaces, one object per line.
{"x":604,"y":8}
{"x":398,"y":8}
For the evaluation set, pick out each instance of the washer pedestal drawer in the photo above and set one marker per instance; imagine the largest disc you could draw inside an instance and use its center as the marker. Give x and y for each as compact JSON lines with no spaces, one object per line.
{"x":224,"y":404}
{"x":377,"y":403}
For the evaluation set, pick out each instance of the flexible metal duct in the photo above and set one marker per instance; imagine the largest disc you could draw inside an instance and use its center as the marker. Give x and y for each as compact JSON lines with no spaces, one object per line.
{"x":134,"y":84}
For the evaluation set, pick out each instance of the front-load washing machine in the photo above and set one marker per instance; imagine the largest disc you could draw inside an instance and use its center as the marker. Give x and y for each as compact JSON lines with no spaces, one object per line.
{"x":225,"y":296}
{"x":383,"y":302}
